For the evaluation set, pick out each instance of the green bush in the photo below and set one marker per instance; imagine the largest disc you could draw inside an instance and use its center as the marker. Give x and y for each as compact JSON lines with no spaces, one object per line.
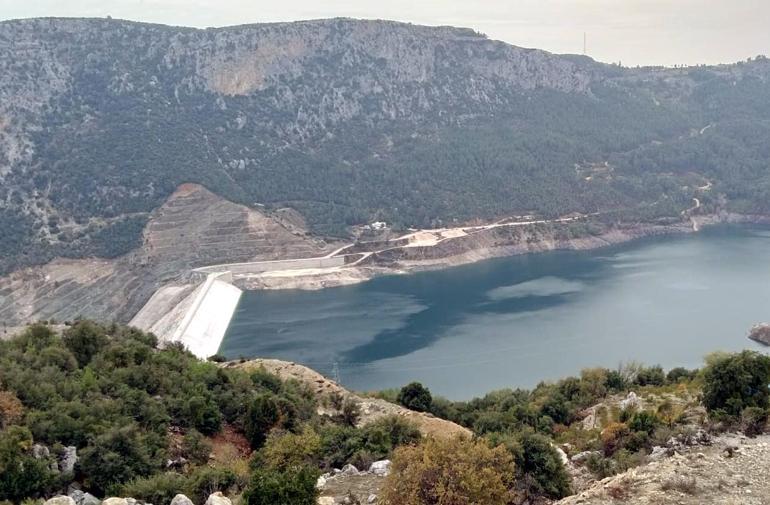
{"x":734,"y":382}
{"x":539,"y":467}
{"x":415,"y":396}
{"x":21,"y":475}
{"x":121,"y":455}
{"x":195,"y":448}
{"x":650,"y":376}
{"x":294,"y":486}
{"x":262,"y":416}
{"x":159,"y":488}
{"x":206,"y":480}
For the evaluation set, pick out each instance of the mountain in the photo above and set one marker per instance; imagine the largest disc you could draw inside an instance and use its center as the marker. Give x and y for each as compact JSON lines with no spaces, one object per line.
{"x":348,"y":122}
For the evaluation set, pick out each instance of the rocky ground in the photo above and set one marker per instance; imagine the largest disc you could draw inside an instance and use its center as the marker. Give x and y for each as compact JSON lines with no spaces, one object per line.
{"x":733,"y":470}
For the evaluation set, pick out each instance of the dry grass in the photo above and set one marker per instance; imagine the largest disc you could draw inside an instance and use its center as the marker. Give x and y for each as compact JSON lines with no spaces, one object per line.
{"x":685,"y":485}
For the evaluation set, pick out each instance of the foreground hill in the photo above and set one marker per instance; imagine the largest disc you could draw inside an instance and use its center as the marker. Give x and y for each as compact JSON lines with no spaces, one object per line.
{"x":101,"y":409}
{"x":350,"y":122}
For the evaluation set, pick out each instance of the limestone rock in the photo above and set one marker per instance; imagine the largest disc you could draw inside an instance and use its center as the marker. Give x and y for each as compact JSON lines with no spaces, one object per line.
{"x":320,"y":483}
{"x":349,"y":470}
{"x":39,"y":451}
{"x":115,"y":501}
{"x":60,"y":500}
{"x":68,"y":459}
{"x":325,"y":500}
{"x":218,"y":499}
{"x":380,"y":467}
{"x":631,"y":401}
{"x":181,"y":499}
{"x":372,"y":498}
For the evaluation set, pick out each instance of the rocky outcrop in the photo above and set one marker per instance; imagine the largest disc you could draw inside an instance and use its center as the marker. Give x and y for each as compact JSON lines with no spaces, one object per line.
{"x":371,"y":409}
{"x":760,"y":333}
{"x":700,"y":475}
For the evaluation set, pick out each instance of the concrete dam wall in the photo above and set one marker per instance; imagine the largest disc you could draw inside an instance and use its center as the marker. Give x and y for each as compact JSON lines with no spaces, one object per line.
{"x":199,"y":321}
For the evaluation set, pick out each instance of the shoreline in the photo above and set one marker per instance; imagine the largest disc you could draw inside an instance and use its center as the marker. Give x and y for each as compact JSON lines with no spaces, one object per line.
{"x":426,"y":258}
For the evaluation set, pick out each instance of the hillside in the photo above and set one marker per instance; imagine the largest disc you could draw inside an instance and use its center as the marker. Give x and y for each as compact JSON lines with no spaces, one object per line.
{"x":349,"y":122}
{"x":102,"y":410}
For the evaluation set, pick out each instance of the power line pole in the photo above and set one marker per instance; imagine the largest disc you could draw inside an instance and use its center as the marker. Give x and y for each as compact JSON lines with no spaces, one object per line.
{"x":585,"y":44}
{"x":336,"y":373}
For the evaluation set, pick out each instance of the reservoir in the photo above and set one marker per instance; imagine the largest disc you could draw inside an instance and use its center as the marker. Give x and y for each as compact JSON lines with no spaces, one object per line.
{"x":512,"y":322}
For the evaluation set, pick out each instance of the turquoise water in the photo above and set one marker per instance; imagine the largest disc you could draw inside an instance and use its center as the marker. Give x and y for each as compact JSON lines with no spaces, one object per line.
{"x":512,"y":322}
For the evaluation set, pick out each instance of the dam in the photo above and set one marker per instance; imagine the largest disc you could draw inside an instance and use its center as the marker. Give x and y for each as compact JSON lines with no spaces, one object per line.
{"x":197,"y":313}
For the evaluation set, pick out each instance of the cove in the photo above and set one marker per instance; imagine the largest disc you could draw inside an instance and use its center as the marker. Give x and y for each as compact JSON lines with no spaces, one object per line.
{"x":515,"y":321}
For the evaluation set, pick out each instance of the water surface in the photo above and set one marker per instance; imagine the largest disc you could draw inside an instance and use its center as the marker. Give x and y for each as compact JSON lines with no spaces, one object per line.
{"x":512,"y":322}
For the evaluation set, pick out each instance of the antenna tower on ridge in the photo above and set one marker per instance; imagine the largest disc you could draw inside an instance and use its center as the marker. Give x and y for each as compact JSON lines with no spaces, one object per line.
{"x":585,"y":44}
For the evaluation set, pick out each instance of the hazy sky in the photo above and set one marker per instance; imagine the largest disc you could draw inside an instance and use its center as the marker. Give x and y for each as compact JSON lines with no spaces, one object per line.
{"x":630,"y":31}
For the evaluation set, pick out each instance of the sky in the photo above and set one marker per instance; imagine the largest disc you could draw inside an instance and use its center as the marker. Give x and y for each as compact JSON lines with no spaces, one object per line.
{"x":632,"y":32}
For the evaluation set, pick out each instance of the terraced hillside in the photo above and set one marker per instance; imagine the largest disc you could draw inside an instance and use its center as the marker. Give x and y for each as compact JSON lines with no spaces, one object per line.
{"x":193,"y":228}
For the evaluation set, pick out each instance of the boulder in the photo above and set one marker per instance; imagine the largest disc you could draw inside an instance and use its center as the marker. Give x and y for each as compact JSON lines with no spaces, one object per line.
{"x":380,"y":467}
{"x":115,"y":501}
{"x":39,"y":451}
{"x":630,"y":402}
{"x":581,"y":457}
{"x":68,"y":459}
{"x":60,"y":500}
{"x":659,"y":453}
{"x":372,"y":498}
{"x":562,"y":455}
{"x":89,"y":499}
{"x":320,"y":483}
{"x":325,"y":500}
{"x":349,"y":470}
{"x":218,"y":499}
{"x":77,"y":495}
{"x":181,"y":499}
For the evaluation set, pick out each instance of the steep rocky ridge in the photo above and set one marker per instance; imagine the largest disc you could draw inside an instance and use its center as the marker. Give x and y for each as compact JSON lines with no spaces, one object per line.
{"x":346,"y":121}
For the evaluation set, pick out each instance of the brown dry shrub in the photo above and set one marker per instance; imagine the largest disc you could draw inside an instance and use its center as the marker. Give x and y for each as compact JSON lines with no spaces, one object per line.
{"x":454,"y":471}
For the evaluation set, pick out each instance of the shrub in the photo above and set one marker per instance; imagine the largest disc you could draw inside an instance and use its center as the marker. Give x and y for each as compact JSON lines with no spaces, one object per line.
{"x":415,"y":396}
{"x":614,"y":437}
{"x":120,"y":455}
{"x":84,"y":339}
{"x":753,"y":421}
{"x":291,"y":450}
{"x":679,"y":374}
{"x":650,"y":376}
{"x":294,"y":486}
{"x":21,"y":475}
{"x":203,"y":414}
{"x":644,"y":421}
{"x":735,"y":382}
{"x":351,"y":412}
{"x":195,"y":448}
{"x":205,"y":480}
{"x":539,"y":466}
{"x":159,"y":488}
{"x":444,"y":471}
{"x":262,"y":416}
{"x":11,"y":409}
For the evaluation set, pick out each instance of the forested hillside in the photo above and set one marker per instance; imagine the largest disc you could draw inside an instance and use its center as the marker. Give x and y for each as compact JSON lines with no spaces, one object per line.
{"x":349,"y":122}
